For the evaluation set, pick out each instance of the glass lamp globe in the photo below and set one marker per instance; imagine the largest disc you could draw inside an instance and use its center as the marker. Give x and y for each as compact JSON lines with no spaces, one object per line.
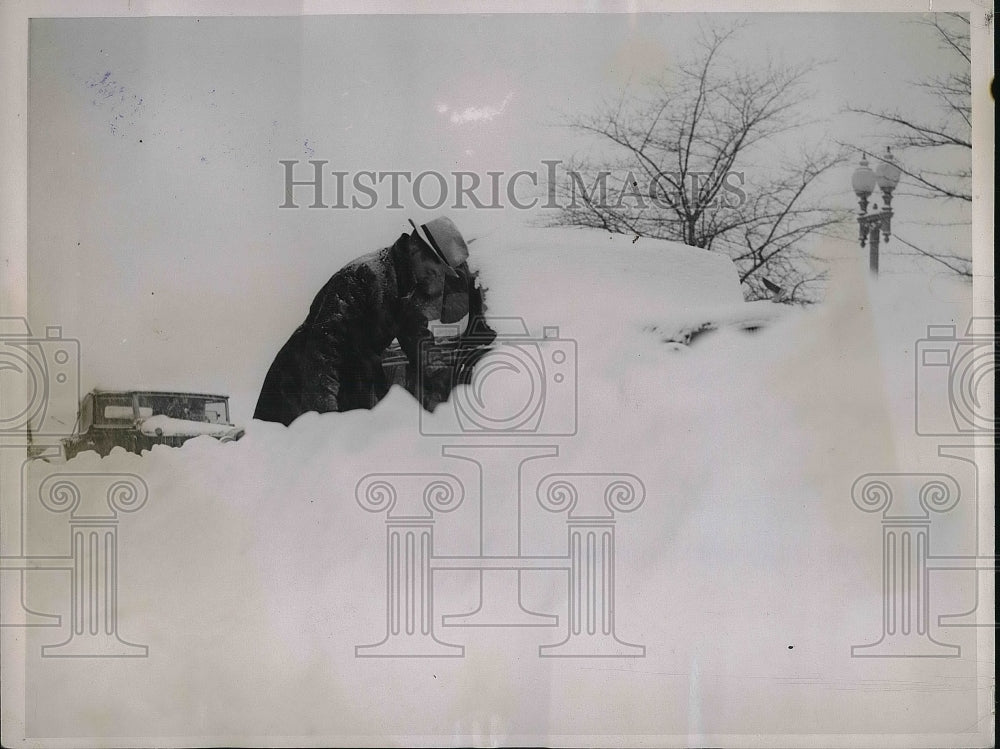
{"x":863,"y":179}
{"x":887,"y":173}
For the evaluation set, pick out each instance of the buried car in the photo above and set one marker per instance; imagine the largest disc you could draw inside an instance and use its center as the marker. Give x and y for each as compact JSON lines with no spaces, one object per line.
{"x":139,"y":419}
{"x":609,"y":292}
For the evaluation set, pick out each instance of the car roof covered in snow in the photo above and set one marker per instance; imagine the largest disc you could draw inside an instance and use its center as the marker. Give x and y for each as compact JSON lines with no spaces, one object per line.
{"x":177,"y":393}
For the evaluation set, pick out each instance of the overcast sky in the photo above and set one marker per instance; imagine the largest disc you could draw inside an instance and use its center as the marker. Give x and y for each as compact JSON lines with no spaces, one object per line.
{"x":155,"y":235}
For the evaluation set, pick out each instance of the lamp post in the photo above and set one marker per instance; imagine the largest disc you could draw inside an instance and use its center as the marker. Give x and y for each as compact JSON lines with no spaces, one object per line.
{"x":886,"y":176}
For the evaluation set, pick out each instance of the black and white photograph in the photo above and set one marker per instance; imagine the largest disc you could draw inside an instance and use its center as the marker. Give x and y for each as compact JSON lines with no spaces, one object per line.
{"x":588,"y":374}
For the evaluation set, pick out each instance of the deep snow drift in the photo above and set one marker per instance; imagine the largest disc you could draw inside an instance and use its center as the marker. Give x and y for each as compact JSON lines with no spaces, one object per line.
{"x":748,"y":573}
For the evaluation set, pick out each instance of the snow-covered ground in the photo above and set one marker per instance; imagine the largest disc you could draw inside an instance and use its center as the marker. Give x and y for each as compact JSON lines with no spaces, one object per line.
{"x":747,"y":574}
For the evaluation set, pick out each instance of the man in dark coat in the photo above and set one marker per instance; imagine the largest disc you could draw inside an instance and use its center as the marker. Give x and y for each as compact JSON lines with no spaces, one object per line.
{"x":333,"y":361}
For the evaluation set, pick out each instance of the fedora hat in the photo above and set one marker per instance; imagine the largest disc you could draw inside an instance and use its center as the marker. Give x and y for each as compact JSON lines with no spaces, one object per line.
{"x":444,"y":238}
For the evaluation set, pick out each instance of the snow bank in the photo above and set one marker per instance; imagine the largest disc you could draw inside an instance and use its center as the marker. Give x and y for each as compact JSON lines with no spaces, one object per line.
{"x":748,"y":574}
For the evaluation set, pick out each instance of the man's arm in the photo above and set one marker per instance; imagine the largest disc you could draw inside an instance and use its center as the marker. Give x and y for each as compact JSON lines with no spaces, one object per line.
{"x":429,"y":369}
{"x":328,"y":347}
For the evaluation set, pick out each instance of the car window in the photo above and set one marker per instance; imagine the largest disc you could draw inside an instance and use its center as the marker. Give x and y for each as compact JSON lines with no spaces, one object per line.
{"x":216,"y":412}
{"x":117,"y":410}
{"x":174,"y":406}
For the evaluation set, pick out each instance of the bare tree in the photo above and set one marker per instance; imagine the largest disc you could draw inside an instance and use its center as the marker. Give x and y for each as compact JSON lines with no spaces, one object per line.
{"x":680,"y":165}
{"x":936,"y":150}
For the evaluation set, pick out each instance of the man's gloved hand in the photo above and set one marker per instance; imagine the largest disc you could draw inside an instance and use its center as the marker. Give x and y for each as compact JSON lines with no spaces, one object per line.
{"x":436,"y":376}
{"x":437,"y":387}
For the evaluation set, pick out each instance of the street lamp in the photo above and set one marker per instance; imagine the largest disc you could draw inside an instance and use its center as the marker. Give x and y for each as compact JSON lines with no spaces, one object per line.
{"x":864,"y":180}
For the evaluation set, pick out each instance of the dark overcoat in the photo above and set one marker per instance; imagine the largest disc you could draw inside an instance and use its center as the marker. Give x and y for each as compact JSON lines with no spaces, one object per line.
{"x":333,"y":360}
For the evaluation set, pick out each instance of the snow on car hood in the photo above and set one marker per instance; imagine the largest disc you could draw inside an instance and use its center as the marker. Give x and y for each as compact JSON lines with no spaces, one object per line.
{"x":682,"y":328}
{"x":165,"y":426}
{"x":599,"y":287}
